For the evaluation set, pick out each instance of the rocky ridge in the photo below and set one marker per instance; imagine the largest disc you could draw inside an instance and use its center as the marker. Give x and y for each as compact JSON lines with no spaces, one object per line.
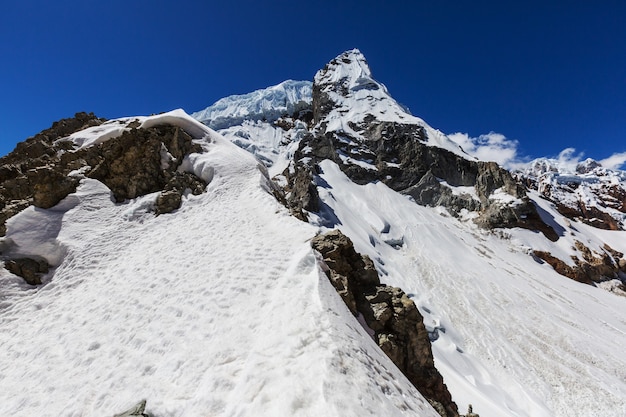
{"x":389,"y":314}
{"x":46,"y":168}
{"x":379,"y":141}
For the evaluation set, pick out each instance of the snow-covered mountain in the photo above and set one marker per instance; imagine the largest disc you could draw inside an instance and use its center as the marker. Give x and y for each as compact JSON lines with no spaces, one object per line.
{"x":586,"y":191}
{"x":289,"y":97}
{"x":164,"y":263}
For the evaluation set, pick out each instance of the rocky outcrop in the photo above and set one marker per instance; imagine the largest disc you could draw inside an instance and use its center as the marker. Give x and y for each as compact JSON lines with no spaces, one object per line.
{"x":138,"y":162}
{"x":592,"y":266}
{"x":30,"y":174}
{"x":32,"y":270}
{"x":136,"y":411}
{"x":390,"y":314}
{"x":170,"y":198}
{"x":399,"y":158}
{"x":299,"y":191}
{"x":589,"y":193}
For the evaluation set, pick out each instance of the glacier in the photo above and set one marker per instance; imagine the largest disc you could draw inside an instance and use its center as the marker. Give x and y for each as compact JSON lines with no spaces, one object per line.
{"x":288,"y":97}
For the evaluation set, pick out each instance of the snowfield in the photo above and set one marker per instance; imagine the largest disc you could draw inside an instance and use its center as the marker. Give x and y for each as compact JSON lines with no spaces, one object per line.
{"x":217,"y":309}
{"x":513,"y":337}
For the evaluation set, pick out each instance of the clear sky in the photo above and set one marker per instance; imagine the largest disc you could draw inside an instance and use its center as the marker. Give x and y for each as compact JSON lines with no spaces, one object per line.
{"x":548,"y":74}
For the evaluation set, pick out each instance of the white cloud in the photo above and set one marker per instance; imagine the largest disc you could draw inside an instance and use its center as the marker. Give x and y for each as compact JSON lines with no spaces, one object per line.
{"x":489,"y":147}
{"x":498,"y":148}
{"x":615,"y":161}
{"x":568,"y":158}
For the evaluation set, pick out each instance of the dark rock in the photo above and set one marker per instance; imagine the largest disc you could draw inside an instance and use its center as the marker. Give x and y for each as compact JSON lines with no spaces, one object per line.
{"x":29,"y":174}
{"x":131,"y":165}
{"x":430,"y":192}
{"x":170,"y":198}
{"x":592,"y":268}
{"x":397,"y":324}
{"x":604,"y":205}
{"x":138,"y":162}
{"x":300,"y":192}
{"x":186,"y":181}
{"x":470,"y":412}
{"x":30,"y":269}
{"x":50,"y":186}
{"x":593,"y":216}
{"x":136,"y":411}
{"x":168,"y":201}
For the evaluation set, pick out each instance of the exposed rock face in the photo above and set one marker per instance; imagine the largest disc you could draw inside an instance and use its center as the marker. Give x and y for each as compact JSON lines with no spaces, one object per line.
{"x":180,"y":183}
{"x":30,"y":269}
{"x":589,"y":193}
{"x":29,"y":174}
{"x":369,"y":148}
{"x":594,"y":266}
{"x":300,"y":190}
{"x":397,"y":324}
{"x":138,"y":162}
{"x":136,"y":411}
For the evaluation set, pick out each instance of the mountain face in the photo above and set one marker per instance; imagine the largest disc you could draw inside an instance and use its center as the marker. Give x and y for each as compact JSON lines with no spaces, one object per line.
{"x":344,"y":258}
{"x":589,"y":192}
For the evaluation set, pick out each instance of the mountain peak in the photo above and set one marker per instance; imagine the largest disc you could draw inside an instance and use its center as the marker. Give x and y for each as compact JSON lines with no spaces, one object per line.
{"x":349,"y":69}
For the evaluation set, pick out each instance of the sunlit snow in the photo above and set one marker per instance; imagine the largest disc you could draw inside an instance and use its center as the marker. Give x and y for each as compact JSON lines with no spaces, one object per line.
{"x":217,"y":309}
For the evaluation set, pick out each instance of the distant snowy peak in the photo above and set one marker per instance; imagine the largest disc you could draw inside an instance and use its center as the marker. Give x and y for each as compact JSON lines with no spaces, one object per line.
{"x":586,"y":191}
{"x":347,"y":82}
{"x":350,"y":71}
{"x":269,"y":104}
{"x":346,"y":97}
{"x":541,"y":166}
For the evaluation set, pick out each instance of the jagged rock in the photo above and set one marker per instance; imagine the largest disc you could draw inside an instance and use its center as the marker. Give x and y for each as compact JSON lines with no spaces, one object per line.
{"x":300,"y":190}
{"x":170,"y":198}
{"x":138,"y":162}
{"x":29,"y":174}
{"x":397,"y":324}
{"x":168,"y":201}
{"x":29,"y":269}
{"x":591,"y":193}
{"x":136,"y":411}
{"x":430,"y":192}
{"x":470,"y":412}
{"x":50,"y":186}
{"x":419,"y":170}
{"x":132,"y":164}
{"x":592,"y":268}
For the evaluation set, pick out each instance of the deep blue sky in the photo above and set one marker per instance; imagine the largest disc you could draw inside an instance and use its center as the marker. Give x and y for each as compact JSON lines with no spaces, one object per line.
{"x":550,"y":74}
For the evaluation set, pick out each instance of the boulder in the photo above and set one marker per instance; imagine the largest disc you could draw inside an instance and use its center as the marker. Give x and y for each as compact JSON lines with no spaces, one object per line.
{"x":137,"y":411}
{"x":30,"y":269}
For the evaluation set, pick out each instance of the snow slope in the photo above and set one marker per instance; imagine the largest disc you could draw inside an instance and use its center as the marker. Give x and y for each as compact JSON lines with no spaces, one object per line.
{"x":219,"y":308}
{"x":513,"y":337}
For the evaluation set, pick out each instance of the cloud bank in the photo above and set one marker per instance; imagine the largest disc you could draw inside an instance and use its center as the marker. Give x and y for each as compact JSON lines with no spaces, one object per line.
{"x":490,"y":147}
{"x":498,"y":148}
